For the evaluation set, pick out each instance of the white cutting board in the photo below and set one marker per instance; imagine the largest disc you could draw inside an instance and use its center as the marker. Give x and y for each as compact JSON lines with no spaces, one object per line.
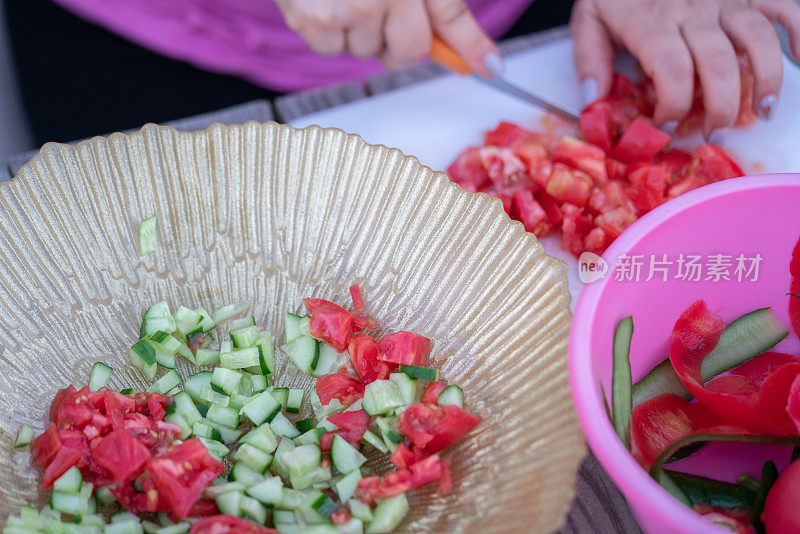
{"x":434,"y":120}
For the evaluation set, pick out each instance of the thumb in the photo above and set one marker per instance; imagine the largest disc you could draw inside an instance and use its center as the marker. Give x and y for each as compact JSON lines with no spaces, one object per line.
{"x":594,"y":51}
{"x":453,"y":22}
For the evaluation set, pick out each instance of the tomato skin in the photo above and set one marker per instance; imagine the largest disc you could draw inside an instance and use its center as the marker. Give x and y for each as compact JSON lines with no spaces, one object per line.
{"x":65,"y":458}
{"x":394,"y":483}
{"x":430,"y":394}
{"x":647,"y":186}
{"x":641,"y":141}
{"x":434,"y":428}
{"x":781,"y":514}
{"x":228,"y":524}
{"x":330,"y":322}
{"x":339,"y":386}
{"x":352,"y":425}
{"x":583,"y":157}
{"x":61,"y":396}
{"x":361,"y":319}
{"x":364,"y":357}
{"x":507,"y":134}
{"x":121,"y":455}
{"x":595,"y":125}
{"x":550,"y":207}
{"x":402,"y":457}
{"x":714,"y":164}
{"x":404,"y":348}
{"x":45,"y":447}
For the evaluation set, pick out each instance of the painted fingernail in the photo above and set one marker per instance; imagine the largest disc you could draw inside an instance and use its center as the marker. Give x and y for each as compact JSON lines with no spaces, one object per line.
{"x":718,"y":136}
{"x":588,"y":91}
{"x":766,"y":108}
{"x":669,"y":127}
{"x":494,"y":64}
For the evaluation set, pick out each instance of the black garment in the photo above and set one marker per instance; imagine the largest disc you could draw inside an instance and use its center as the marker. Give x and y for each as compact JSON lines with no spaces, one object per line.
{"x":73,"y":74}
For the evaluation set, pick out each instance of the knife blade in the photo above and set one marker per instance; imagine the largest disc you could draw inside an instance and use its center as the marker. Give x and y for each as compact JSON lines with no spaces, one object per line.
{"x":442,"y":54}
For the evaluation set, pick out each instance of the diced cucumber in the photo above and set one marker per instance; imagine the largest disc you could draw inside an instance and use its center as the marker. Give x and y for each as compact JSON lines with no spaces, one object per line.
{"x":295,"y":326}
{"x":269,"y":492}
{"x":283,"y":427}
{"x":283,"y":516}
{"x":123,"y":516}
{"x":254,"y":510}
{"x":244,"y":474}
{"x":70,"y":481}
{"x":243,"y":322}
{"x":100,"y":375}
{"x":157,"y":317}
{"x":360,"y":510}
{"x":320,"y":411}
{"x":188,"y":321}
{"x":143,"y":356}
{"x":262,"y":407}
{"x":131,"y":526}
{"x":207,"y":356}
{"x":407,"y":387}
{"x":430,"y":374}
{"x":388,"y":514}
{"x":278,"y":467}
{"x":240,"y":358}
{"x":294,"y":400}
{"x":345,"y":457}
{"x":354,"y":526}
{"x":230,"y":503}
{"x":262,"y":437}
{"x":304,"y":352}
{"x":451,"y":396}
{"x":391,"y":437}
{"x":224,"y":313}
{"x":104,"y":496}
{"x":301,"y":460}
{"x":266,"y":354}
{"x":375,"y":441}
{"x":24,"y":436}
{"x":237,"y":401}
{"x":319,"y":477}
{"x":329,"y":360}
{"x":218,"y":489}
{"x":69,"y":503}
{"x":177,"y":419}
{"x":215,"y":448}
{"x":346,"y":486}
{"x":254,"y":458}
{"x":165,"y":346}
{"x":292,"y":499}
{"x":381,"y":397}
{"x":281,"y":395}
{"x":209,"y":396}
{"x":310,"y":437}
{"x":148,"y":235}
{"x":260,"y":383}
{"x":245,"y":337}
{"x":201,"y":429}
{"x":225,"y":381}
{"x":196,"y":384}
{"x":223,"y":415}
{"x":207,"y":323}
{"x":304,"y":425}
{"x":167,"y":382}
{"x":185,"y":406}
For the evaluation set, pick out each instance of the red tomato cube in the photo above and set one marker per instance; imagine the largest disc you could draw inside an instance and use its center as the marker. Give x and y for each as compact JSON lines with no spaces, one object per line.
{"x":530,"y":213}
{"x":641,"y":141}
{"x":569,"y":185}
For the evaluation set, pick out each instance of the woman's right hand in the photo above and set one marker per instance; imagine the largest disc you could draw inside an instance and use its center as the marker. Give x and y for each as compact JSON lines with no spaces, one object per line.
{"x":398,"y":32}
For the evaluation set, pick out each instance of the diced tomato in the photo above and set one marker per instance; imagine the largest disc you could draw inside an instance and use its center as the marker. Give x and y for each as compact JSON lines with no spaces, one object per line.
{"x":714,"y":163}
{"x":675,"y":160}
{"x":330,"y":322}
{"x":426,"y":471}
{"x":431,"y":393}
{"x":615,"y":169}
{"x":781,"y":514}
{"x":61,"y":396}
{"x":582,"y":156}
{"x":507,"y":134}
{"x":195,"y":341}
{"x":361,"y":319}
{"x":156,"y":404}
{"x":598,"y":202}
{"x":550,"y":207}
{"x":364,"y":357}
{"x":340,"y":516}
{"x":622,"y":87}
{"x":339,"y":386}
{"x":569,"y":185}
{"x":595,"y":124}
{"x":596,"y":240}
{"x":395,"y":483}
{"x":505,"y":199}
{"x":446,"y":481}
{"x":506,"y":171}
{"x":641,"y":141}
{"x":615,"y":222}
{"x":203,"y":508}
{"x":529,"y":212}
{"x":352,"y":425}
{"x":76,"y":414}
{"x":434,"y":428}
{"x":121,"y":455}
{"x":467,"y":170}
{"x":686,"y":184}
{"x":648,"y":182}
{"x":536,"y":160}
{"x":228,"y":524}
{"x":45,"y":447}
{"x":404,"y":348}
{"x":182,"y":475}
{"x":402,"y":457}
{"x":574,"y":229}
{"x":65,"y":458}
{"x":325,"y":441}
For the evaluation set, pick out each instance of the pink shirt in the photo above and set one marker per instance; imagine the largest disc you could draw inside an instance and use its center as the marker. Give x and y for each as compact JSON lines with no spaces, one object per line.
{"x":248,"y":38}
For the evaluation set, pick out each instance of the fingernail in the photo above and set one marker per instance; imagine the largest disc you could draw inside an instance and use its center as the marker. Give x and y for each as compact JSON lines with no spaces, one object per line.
{"x":718,"y":136}
{"x":669,"y":127}
{"x":766,"y":108}
{"x":588,"y":91}
{"x":494,"y":64}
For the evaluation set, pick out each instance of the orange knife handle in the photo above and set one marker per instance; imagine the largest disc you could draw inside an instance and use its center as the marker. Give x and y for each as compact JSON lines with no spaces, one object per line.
{"x":448,"y":58}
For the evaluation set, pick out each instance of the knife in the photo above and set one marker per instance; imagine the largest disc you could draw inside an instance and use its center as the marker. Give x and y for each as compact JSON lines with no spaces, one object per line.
{"x":442,"y":54}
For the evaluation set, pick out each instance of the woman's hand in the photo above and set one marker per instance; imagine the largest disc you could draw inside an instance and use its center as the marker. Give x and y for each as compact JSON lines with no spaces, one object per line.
{"x":673,"y":38}
{"x":398,"y":32}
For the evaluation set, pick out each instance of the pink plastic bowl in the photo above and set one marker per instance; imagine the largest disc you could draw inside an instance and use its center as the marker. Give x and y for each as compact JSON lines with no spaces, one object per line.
{"x":749,"y":216}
